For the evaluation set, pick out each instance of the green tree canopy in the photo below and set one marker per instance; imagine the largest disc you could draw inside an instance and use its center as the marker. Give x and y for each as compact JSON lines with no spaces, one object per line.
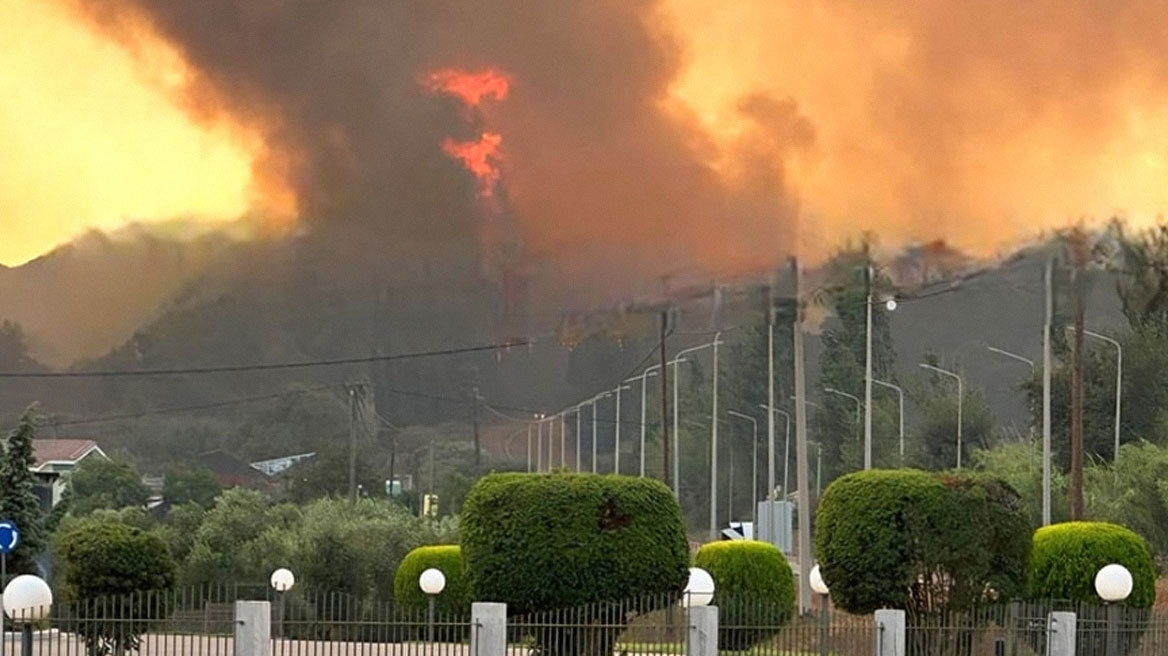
{"x":182,"y":485}
{"x":106,"y":483}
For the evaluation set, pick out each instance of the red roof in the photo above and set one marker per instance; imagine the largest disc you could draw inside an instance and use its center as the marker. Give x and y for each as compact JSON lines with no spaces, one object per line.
{"x":69,"y":450}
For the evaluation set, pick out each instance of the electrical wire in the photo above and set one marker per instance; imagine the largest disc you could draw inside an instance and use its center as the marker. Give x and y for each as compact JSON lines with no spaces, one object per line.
{"x":262,"y":367}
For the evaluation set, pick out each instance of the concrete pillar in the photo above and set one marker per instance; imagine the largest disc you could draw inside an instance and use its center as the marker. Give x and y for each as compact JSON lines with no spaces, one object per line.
{"x":253,"y":628}
{"x":1061,"y":636}
{"x":703,"y":631}
{"x":488,"y":629}
{"x":890,"y":633}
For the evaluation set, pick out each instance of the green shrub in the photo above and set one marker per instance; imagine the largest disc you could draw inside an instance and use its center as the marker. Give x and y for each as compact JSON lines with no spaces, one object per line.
{"x":754,"y":589}
{"x":550,"y":541}
{"x":106,"y":558}
{"x":1067,"y":556}
{"x":922,"y":542}
{"x":453,"y":600}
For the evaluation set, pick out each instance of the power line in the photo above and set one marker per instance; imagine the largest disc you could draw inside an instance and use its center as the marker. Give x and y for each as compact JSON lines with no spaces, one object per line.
{"x":262,"y":367}
{"x":192,"y":408}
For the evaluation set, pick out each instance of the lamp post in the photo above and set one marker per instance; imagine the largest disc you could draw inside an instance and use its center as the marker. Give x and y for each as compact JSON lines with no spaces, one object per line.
{"x":1118,"y":381}
{"x":563,"y":438}
{"x":27,"y":600}
{"x":754,"y":465}
{"x":900,"y":413}
{"x":579,"y":407}
{"x":819,"y":587}
{"x":539,"y":444}
{"x":1113,"y":584}
{"x":595,"y":400}
{"x":699,"y":590}
{"x":432,"y":582}
{"x":859,"y":402}
{"x":786,"y":448}
{"x":960,"y":399}
{"x":1045,"y":428}
{"x":651,"y":371}
{"x":678,"y":359}
{"x":282,"y":581}
{"x":818,"y":449}
{"x":529,"y":424}
{"x":617,"y":426}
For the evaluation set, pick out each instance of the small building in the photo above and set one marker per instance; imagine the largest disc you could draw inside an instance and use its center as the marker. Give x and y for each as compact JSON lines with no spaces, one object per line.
{"x":229,"y":470}
{"x":276,"y":466}
{"x":55,"y":460}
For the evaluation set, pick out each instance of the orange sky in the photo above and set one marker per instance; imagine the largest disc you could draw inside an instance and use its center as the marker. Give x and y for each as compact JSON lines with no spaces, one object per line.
{"x":88,"y":139}
{"x":981,"y":123}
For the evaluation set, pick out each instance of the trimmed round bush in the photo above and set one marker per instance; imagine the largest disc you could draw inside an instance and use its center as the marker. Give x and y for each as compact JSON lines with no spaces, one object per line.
{"x":453,"y":600}
{"x":541,"y":542}
{"x":1067,"y":556}
{"x":546,"y":541}
{"x":754,"y":590}
{"x":922,"y":542}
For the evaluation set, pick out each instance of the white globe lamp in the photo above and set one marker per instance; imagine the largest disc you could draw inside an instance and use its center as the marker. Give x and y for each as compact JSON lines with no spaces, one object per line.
{"x":27,"y":599}
{"x":818,"y":585}
{"x":890,"y":304}
{"x":1113,"y":583}
{"x":699,"y":591}
{"x":432,"y":581}
{"x":283,"y":579}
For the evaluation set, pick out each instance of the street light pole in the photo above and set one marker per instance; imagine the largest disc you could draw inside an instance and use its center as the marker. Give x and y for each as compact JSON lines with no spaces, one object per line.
{"x":1046,"y":372}
{"x":859,"y":403}
{"x":676,"y":361}
{"x":645,"y":375}
{"x":1118,"y":381}
{"x":868,"y":370}
{"x":786,"y":446}
{"x":804,"y":498}
{"x":563,"y":438}
{"x":714,"y":445}
{"x":539,"y":445}
{"x":754,"y":464}
{"x":616,"y":429}
{"x":529,"y":447}
{"x":960,"y":399}
{"x":900,"y":405}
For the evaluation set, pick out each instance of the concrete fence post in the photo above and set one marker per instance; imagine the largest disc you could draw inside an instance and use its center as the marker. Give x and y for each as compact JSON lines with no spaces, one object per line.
{"x":703,"y":631}
{"x":488,"y":629}
{"x":253,"y":628}
{"x":890,"y":626}
{"x":1061,"y":634}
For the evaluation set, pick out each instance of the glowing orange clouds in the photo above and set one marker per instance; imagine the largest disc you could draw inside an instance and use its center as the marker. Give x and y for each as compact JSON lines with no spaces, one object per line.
{"x":471,"y":88}
{"x":92,"y":138}
{"x":480,"y":157}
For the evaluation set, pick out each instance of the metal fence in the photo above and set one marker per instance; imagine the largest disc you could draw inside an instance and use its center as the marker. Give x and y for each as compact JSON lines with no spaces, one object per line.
{"x":333,"y":624}
{"x":1022,"y":629}
{"x":655,"y":624}
{"x":200,"y":621}
{"x":765,"y":628}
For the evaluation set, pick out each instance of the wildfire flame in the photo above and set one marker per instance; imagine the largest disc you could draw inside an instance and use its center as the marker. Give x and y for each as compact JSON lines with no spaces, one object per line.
{"x":471,"y":88}
{"x":480,"y":157}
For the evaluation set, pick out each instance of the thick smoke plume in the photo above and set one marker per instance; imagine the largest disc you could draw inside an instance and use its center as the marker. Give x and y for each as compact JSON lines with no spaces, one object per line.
{"x":601,"y":172}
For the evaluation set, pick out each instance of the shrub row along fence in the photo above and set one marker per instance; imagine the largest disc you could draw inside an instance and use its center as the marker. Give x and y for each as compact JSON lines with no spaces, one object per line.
{"x":228,"y":621}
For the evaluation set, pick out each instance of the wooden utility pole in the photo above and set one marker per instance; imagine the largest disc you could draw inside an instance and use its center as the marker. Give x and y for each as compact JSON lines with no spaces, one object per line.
{"x":1079,"y":261}
{"x":666,"y":456}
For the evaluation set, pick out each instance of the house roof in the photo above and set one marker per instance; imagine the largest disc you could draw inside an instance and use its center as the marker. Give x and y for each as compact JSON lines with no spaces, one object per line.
{"x":62,"y":451}
{"x":227,"y":467}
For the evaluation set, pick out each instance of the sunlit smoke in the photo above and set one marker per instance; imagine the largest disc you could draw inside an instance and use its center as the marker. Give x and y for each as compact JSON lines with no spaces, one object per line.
{"x":481,"y":158}
{"x":471,"y":88}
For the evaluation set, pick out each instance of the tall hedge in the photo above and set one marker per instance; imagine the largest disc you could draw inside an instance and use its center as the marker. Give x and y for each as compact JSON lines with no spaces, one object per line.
{"x":919,"y":541}
{"x":1067,"y":556}
{"x":754,"y":589}
{"x":453,"y":600}
{"x":546,"y":541}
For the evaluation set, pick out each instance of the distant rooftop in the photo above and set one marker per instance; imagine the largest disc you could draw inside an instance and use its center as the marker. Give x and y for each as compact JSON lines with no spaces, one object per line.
{"x":62,"y":451}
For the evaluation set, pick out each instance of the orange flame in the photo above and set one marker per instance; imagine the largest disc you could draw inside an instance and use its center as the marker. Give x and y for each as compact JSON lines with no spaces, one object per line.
{"x":471,"y":88}
{"x":480,"y":157}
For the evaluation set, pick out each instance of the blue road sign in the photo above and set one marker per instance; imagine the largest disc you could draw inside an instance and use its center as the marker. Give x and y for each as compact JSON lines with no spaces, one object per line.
{"x":9,"y":536}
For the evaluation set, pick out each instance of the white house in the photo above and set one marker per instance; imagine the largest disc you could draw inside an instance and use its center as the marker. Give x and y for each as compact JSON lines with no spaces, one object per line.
{"x":55,"y":460}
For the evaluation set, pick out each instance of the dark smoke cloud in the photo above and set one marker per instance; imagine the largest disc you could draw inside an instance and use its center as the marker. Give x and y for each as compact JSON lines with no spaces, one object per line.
{"x":601,"y":176}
